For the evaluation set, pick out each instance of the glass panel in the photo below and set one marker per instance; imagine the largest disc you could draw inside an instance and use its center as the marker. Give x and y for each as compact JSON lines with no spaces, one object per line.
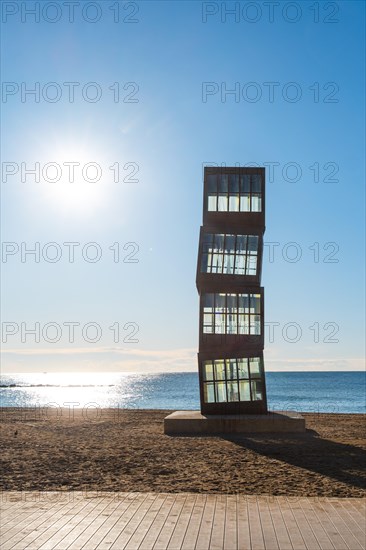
{"x":212,"y":203}
{"x":257,"y":392}
{"x":219,"y":323}
{"x":219,"y":242}
{"x":209,"y":393}
{"x":255,"y":324}
{"x":244,"y":184}
{"x":208,"y":323}
{"x":207,"y":370}
{"x":212,"y":183}
{"x":256,"y":204}
{"x":208,"y":302}
{"x":206,"y":247}
{"x":223,"y":203}
{"x":254,"y":366}
{"x":207,"y":239}
{"x":255,"y":303}
{"x":246,"y":324}
{"x":234,"y":203}
{"x":223,"y":183}
{"x":232,"y":321}
{"x":231,"y":302}
{"x":240,"y":264}
{"x":244,"y":203}
{"x":241,"y":322}
{"x":220,"y":392}
{"x":256,"y":183}
{"x":220,"y":302}
{"x":244,"y":390}
{"x":231,"y":371}
{"x":232,"y":391}
{"x":217,"y":263}
{"x":252,"y":243}
{"x":229,"y":263}
{"x":241,"y":243}
{"x":204,"y":268}
{"x":230,"y":243}
{"x":234,"y":183}
{"x":242,"y":302}
{"x":209,"y":263}
{"x":219,"y":369}
{"x":252,"y":265}
{"x":243,"y":368}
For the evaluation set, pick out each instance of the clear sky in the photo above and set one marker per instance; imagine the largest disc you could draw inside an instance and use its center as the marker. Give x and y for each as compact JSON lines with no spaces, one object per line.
{"x":143,"y":87}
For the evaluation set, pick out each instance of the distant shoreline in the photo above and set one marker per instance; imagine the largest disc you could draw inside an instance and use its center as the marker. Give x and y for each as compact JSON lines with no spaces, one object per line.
{"x":313,"y":392}
{"x":66,"y":411}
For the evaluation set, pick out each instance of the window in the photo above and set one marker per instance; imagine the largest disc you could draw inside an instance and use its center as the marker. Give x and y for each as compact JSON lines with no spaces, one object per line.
{"x":234,"y":192}
{"x":231,"y":313}
{"x":229,"y":254}
{"x":233,"y":380}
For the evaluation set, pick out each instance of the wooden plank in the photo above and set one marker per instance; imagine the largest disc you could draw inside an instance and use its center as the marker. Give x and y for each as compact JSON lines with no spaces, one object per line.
{"x":279,"y":526}
{"x":231,"y":523}
{"x":328,"y":525}
{"x":19,"y":527}
{"x":170,"y":523}
{"x":146,"y":522}
{"x":181,"y":521}
{"x":156,"y":526}
{"x":31,"y":527}
{"x":86,"y":520}
{"x":352,"y":523}
{"x":14,"y":523}
{"x":73,"y":520}
{"x":205,"y":530}
{"x":218,"y":526}
{"x":256,"y":534}
{"x":22,"y":508}
{"x":133,"y":524}
{"x":11,"y":510}
{"x":356,"y":509}
{"x":310,"y":540}
{"x":178,"y":534}
{"x":244,"y":541}
{"x":359,"y":504}
{"x":190,"y":537}
{"x":109,"y":505}
{"x":56,"y":507}
{"x":122,"y":521}
{"x":323,"y":540}
{"x":269,"y":534}
{"x":341,"y":525}
{"x":62,"y":516}
{"x":292,"y":527}
{"x":111,"y":516}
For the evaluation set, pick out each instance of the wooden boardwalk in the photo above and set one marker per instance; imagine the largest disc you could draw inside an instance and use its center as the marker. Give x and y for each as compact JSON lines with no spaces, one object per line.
{"x":75,"y":521}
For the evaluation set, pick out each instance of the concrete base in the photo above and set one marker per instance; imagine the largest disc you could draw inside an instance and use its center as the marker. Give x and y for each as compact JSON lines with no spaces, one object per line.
{"x":194,"y":423}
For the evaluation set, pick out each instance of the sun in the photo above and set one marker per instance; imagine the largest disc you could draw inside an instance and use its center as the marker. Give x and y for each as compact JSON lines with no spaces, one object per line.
{"x":74,"y":178}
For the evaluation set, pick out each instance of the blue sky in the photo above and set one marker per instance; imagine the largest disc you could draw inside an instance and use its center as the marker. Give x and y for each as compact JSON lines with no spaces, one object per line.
{"x":163,"y":128}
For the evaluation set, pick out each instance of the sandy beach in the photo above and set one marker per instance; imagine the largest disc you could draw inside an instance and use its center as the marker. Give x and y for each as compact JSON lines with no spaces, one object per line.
{"x":126,"y":450}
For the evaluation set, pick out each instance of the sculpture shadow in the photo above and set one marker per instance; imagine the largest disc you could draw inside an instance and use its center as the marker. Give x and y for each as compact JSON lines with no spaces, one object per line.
{"x":340,"y":461}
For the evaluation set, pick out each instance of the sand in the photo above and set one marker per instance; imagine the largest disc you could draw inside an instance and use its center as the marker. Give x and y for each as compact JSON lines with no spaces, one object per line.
{"x":126,"y":450}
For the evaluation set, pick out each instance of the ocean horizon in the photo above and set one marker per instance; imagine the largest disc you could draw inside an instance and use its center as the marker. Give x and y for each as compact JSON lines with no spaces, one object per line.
{"x":326,"y":392}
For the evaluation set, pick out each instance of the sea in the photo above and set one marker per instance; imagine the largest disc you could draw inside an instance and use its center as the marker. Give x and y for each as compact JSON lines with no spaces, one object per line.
{"x":326,"y":392}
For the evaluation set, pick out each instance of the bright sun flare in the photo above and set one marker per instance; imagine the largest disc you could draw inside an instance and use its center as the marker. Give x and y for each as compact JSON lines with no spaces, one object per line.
{"x":74,"y":179}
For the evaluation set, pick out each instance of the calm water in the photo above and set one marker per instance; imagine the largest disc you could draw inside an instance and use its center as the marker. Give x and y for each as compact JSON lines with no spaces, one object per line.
{"x":338,"y":392}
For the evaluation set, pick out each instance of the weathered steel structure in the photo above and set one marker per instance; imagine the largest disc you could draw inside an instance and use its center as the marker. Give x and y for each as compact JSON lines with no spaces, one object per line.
{"x":231,"y":340}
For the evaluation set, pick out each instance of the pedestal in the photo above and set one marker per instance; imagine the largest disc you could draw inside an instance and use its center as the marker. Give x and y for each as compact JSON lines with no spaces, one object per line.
{"x":195,"y":423}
